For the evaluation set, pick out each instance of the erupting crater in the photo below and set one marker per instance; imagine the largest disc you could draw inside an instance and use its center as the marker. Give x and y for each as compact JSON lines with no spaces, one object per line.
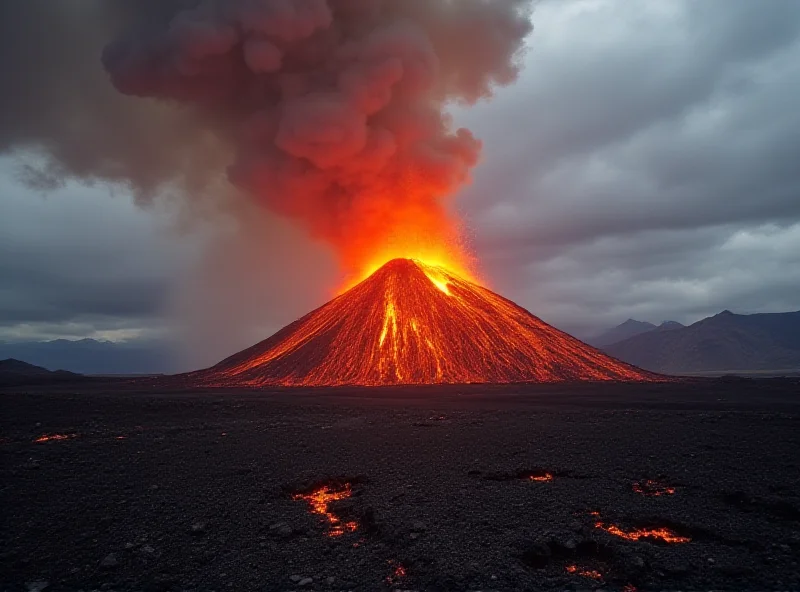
{"x":413,"y":323}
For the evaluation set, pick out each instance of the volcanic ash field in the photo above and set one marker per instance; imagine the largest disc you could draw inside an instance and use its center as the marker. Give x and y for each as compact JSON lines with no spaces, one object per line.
{"x":620,"y":487}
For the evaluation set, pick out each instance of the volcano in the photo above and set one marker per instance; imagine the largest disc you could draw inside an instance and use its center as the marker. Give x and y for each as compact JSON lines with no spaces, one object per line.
{"x":413,"y":323}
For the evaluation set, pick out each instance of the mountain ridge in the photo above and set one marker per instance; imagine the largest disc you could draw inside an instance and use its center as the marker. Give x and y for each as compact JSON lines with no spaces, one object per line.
{"x":725,"y":342}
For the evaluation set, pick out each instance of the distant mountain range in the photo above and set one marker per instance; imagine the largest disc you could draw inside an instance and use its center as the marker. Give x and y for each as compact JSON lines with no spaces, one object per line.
{"x":726,"y":342}
{"x":628,"y":329}
{"x":88,"y":356}
{"x":15,"y":372}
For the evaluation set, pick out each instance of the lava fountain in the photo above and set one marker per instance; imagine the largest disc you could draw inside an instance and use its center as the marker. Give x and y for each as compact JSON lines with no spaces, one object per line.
{"x":415,"y":323}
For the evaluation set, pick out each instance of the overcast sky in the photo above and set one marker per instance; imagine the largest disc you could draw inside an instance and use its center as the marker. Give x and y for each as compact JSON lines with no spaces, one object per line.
{"x":644,"y":166}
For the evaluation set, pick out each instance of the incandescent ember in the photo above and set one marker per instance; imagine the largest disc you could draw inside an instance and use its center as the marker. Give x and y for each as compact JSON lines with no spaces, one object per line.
{"x":398,"y":573}
{"x":414,"y":323}
{"x":652,"y":488}
{"x":586,"y":573}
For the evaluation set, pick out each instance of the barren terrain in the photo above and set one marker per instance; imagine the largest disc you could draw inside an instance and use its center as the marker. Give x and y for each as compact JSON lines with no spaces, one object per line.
{"x":440,"y":488}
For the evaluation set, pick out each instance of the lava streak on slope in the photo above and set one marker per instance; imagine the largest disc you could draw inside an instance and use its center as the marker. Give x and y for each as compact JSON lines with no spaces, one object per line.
{"x":413,"y":323}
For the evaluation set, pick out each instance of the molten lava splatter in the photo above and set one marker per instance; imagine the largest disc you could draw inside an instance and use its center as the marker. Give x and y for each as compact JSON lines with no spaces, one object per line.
{"x":652,"y":487}
{"x":586,"y":573}
{"x":662,"y":533}
{"x":320,"y":500}
{"x":54,"y":437}
{"x":413,"y":323}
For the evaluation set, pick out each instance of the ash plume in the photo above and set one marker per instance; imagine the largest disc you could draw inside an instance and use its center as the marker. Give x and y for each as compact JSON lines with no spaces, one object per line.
{"x":335,"y":108}
{"x":331,"y":113}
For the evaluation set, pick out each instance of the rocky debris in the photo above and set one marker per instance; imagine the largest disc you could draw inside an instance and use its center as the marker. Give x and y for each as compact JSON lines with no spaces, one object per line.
{"x":448,"y":529}
{"x":198,"y":528}
{"x":305,"y":582}
{"x":281,"y":529}
{"x":110,"y":561}
{"x":37,"y":586}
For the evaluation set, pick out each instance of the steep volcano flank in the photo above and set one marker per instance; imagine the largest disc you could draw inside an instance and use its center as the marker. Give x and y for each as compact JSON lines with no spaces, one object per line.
{"x":411,"y":323}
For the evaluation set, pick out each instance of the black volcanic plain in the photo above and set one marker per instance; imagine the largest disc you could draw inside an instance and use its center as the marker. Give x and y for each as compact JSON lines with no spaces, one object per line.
{"x":159,"y":490}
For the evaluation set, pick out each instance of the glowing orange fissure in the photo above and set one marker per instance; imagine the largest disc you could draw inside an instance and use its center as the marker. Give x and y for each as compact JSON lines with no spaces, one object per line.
{"x":55,"y":437}
{"x":661,"y":533}
{"x":320,"y":500}
{"x":545,"y":477}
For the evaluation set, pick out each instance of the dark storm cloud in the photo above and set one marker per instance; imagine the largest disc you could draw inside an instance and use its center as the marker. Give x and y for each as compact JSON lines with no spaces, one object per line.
{"x":78,"y":258}
{"x":642,"y":140}
{"x":56,"y":100}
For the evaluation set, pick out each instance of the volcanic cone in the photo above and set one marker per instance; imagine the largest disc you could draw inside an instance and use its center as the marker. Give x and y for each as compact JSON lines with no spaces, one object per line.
{"x":412,"y":323}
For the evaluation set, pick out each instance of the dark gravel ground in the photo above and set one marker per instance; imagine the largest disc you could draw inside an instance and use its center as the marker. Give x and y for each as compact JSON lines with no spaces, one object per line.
{"x":193,"y":491}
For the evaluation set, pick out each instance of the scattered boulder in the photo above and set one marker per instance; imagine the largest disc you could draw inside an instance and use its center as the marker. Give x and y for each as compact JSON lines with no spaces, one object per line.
{"x":109,"y":562}
{"x":282,"y":529}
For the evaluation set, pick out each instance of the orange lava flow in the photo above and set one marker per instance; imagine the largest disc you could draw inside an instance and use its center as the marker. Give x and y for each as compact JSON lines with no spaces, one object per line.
{"x":414,"y":323}
{"x":54,"y":437}
{"x":586,"y":573}
{"x":320,"y":500}
{"x":663,"y":533}
{"x":652,"y":488}
{"x":545,"y":477}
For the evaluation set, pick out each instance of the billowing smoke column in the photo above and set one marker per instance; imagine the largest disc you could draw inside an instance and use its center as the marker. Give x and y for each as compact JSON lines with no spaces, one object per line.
{"x":336,"y":108}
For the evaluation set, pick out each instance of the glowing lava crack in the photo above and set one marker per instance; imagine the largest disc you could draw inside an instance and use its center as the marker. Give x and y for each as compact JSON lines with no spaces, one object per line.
{"x":412,"y":323}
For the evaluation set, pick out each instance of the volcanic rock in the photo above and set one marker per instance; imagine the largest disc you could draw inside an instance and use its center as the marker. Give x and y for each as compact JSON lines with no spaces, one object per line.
{"x":413,"y":323}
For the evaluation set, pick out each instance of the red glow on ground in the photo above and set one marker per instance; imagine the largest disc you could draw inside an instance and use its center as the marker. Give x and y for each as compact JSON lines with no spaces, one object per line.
{"x":545,"y":477}
{"x":651,"y":487}
{"x":320,"y":500}
{"x":586,"y":573}
{"x":54,"y":437}
{"x":398,"y":573}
